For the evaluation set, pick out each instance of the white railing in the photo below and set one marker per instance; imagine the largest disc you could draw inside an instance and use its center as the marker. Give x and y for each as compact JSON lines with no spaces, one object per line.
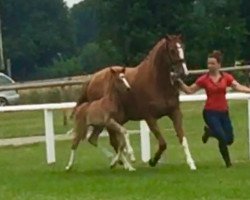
{"x":145,"y":139}
{"x":48,"y":122}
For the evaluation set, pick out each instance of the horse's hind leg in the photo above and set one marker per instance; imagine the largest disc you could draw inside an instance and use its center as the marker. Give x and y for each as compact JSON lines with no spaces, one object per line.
{"x":93,"y":138}
{"x":153,"y":126}
{"x":80,"y":134}
{"x":176,"y":117}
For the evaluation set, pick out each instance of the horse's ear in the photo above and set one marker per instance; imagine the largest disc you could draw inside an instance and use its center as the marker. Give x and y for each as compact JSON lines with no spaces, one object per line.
{"x":112,"y":70}
{"x":180,"y":37}
{"x":123,"y":70}
{"x":168,"y":37}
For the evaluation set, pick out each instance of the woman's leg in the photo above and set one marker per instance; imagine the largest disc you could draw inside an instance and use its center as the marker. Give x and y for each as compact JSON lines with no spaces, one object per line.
{"x":228,"y":128}
{"x":213,"y":120}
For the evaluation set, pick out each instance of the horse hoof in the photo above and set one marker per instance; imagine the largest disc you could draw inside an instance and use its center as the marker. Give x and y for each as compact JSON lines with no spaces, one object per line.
{"x":112,"y":166}
{"x":151,"y":163}
{"x":132,"y":169}
{"x":93,"y":142}
{"x":68,"y":168}
{"x":132,"y":159}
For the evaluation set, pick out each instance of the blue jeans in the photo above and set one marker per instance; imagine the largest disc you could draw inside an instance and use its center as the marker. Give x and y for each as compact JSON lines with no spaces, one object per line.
{"x":220,"y":125}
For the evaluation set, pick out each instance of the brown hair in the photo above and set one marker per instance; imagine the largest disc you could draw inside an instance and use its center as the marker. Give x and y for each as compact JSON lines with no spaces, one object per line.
{"x":217,"y":55}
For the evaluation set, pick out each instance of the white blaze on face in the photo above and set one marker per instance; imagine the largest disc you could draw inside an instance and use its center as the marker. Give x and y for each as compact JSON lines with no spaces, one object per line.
{"x":124,"y":80}
{"x":181,"y":55}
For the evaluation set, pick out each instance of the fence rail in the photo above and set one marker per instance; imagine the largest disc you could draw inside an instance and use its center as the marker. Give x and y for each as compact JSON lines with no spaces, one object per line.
{"x":145,"y":139}
{"x":45,"y":83}
{"x":83,"y":79}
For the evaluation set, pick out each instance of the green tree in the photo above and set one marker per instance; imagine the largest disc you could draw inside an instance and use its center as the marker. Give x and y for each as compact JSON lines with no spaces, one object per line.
{"x":135,"y":26}
{"x":34,"y":32}
{"x":95,"y":56}
{"x":85,"y":20}
{"x":213,"y":24}
{"x":245,"y":13}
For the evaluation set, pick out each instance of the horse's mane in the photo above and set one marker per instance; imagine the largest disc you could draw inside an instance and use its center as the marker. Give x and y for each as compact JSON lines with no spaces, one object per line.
{"x":153,"y":51}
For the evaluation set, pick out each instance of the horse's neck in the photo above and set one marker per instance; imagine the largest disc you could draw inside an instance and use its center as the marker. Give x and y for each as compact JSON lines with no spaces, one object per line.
{"x":114,"y":98}
{"x":156,"y":68}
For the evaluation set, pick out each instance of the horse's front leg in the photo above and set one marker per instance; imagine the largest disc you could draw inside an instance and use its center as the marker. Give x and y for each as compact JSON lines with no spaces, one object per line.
{"x":113,"y":141}
{"x":121,"y":142}
{"x":176,"y":117}
{"x":153,"y":126}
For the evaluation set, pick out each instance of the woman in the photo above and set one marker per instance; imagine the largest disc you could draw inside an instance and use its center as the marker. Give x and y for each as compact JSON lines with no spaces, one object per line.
{"x":215,"y":113}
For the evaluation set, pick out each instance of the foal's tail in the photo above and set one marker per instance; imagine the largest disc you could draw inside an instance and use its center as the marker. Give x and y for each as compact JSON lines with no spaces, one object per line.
{"x":82,"y":99}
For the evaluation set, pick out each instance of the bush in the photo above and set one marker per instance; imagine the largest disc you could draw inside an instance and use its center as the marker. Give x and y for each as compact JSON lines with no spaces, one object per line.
{"x":61,"y":68}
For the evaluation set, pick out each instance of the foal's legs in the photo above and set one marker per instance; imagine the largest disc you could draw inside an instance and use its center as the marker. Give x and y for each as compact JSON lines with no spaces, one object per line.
{"x":153,"y":126}
{"x":119,"y":133}
{"x":80,"y":134}
{"x":113,"y":141}
{"x":176,"y":117}
{"x":94,"y":135}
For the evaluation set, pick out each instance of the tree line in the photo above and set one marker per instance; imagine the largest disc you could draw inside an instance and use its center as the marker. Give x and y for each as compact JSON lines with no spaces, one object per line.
{"x":46,"y":39}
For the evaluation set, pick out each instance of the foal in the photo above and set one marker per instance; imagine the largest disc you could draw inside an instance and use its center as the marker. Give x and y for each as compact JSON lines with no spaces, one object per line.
{"x":100,"y":114}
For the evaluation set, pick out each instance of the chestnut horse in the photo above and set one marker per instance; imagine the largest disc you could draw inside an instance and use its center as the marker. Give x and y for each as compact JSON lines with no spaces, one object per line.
{"x":154,"y":93}
{"x":100,"y":113}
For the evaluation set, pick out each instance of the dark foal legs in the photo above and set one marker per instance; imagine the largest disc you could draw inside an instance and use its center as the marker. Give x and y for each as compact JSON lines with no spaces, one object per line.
{"x":113,"y":139}
{"x":93,"y":138}
{"x":153,"y":126}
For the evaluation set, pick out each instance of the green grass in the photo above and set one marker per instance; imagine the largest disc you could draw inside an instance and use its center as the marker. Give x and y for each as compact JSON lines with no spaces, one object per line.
{"x":25,"y":174}
{"x":27,"y":123}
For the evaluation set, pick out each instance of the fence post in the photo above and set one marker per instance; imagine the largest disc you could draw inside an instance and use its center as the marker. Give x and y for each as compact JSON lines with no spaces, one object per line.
{"x":49,"y":136}
{"x":248,"y":114}
{"x":145,"y":141}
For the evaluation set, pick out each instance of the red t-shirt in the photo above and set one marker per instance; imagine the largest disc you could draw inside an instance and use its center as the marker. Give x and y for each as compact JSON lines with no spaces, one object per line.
{"x":216,"y":92}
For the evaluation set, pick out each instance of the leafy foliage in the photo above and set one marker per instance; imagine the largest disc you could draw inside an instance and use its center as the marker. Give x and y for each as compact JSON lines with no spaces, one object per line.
{"x":97,"y":33}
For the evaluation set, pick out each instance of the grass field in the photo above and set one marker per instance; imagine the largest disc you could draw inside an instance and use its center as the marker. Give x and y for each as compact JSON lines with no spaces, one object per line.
{"x":25,"y":174}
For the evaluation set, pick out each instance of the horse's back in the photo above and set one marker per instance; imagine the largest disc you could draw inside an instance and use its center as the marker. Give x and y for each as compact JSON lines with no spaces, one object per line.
{"x":98,"y":85}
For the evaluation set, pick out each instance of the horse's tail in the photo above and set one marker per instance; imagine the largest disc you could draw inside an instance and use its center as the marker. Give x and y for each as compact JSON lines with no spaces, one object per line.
{"x":82,"y":99}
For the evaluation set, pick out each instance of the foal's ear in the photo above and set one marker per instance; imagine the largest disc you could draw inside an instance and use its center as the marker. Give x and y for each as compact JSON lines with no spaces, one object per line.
{"x":123,"y":70}
{"x":112,"y":70}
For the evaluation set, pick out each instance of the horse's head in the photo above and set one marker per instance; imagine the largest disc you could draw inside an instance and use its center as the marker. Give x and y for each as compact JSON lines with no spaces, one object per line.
{"x":175,"y":55}
{"x":119,"y":80}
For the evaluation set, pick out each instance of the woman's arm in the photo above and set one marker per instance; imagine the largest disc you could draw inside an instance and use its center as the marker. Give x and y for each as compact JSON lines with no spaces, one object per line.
{"x":188,"y":89}
{"x":240,"y":88}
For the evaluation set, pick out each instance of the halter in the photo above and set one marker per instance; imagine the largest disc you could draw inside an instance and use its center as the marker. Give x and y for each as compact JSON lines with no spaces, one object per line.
{"x":181,"y":61}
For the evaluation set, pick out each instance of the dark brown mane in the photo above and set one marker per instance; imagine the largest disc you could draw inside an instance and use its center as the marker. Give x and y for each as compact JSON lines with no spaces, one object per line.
{"x":151,"y":55}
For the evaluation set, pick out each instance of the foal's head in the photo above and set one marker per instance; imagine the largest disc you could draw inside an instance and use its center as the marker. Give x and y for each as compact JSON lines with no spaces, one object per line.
{"x":118,"y":81}
{"x":175,"y":55}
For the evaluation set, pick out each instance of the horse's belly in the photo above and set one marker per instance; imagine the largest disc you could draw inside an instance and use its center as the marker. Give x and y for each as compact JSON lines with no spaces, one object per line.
{"x":155,"y":109}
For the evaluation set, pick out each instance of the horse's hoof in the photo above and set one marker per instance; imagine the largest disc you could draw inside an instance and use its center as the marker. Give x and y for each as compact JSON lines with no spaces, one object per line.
{"x":112,"y":166}
{"x":151,"y":163}
{"x":93,"y":142}
{"x":68,"y":168}
{"x":132,"y":169}
{"x":132,"y":159}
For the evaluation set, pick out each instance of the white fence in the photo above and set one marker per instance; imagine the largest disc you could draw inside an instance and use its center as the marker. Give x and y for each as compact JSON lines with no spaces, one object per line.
{"x":145,"y":139}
